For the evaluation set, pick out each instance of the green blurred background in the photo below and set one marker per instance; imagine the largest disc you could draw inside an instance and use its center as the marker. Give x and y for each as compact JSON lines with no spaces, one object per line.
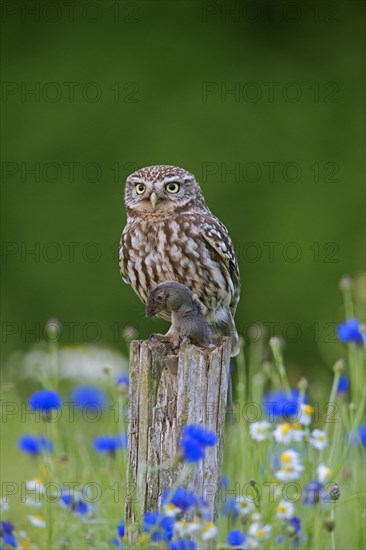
{"x":273,"y":90}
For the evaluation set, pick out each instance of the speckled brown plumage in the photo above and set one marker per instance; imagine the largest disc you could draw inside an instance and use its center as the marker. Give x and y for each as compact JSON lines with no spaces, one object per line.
{"x":173,"y":236}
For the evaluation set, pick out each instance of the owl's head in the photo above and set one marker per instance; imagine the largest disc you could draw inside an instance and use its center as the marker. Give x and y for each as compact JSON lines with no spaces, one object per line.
{"x":161,"y":188}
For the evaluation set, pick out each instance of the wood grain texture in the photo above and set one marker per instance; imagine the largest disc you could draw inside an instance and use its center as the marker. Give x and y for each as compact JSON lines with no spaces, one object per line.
{"x":167,"y":391}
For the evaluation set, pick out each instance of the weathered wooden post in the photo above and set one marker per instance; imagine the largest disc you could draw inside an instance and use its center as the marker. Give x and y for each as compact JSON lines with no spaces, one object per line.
{"x":167,"y":391}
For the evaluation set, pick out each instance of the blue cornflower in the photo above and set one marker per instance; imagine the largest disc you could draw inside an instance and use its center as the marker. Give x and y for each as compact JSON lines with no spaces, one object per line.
{"x":123,"y":380}
{"x":10,"y":540}
{"x":194,"y":440}
{"x":199,"y":434}
{"x":181,"y":498}
{"x":117,"y":543}
{"x":280,"y":403}
{"x":349,"y":331}
{"x":167,"y":526}
{"x":160,"y":527}
{"x":224,"y":481}
{"x":6,"y":527}
{"x":75,"y":503}
{"x":121,"y":533}
{"x":231,"y":508}
{"x":362,"y":434}
{"x":150,"y":519}
{"x":314,"y":492}
{"x":110,"y":443}
{"x":182,"y":544}
{"x":192,"y":451}
{"x":295,"y":524}
{"x":121,"y":528}
{"x":6,"y":533}
{"x":343,"y":384}
{"x":34,"y":444}
{"x":235,"y":538}
{"x":89,"y":396}
{"x":45,"y":400}
{"x":359,"y":436}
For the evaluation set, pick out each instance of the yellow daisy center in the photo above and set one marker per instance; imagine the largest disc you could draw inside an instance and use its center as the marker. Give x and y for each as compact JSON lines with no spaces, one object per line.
{"x":37,"y":480}
{"x":286,"y":457}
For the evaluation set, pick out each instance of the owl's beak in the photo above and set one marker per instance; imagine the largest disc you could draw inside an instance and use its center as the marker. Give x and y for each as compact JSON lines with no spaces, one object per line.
{"x":153,"y":199}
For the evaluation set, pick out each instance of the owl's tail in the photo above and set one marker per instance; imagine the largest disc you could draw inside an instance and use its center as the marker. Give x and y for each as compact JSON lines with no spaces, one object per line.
{"x":226,"y":327}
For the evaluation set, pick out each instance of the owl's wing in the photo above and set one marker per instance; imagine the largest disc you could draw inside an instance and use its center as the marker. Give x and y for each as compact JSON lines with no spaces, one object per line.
{"x":217,"y":236}
{"x":123,"y":259}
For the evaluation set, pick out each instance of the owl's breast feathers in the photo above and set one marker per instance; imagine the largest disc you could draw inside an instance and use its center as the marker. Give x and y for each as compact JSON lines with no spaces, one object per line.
{"x":194,"y":249}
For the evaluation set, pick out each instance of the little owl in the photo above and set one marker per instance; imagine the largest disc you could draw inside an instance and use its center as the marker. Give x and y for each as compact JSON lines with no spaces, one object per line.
{"x":171,"y":235}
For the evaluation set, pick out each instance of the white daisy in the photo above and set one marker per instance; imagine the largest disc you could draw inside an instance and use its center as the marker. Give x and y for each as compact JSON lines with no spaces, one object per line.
{"x":260,"y":532}
{"x":318,"y":439}
{"x":4,"y":505}
{"x":251,"y":543}
{"x":171,"y":510}
{"x":291,"y":467}
{"x":283,"y":433}
{"x":286,"y":432}
{"x":35,"y":484}
{"x":209,"y":531}
{"x":306,"y":413}
{"x":245,"y":507}
{"x":260,"y":431}
{"x":285,"y":510}
{"x":37,"y":521}
{"x":297,"y":432}
{"x":184,"y":527}
{"x":323,"y":472}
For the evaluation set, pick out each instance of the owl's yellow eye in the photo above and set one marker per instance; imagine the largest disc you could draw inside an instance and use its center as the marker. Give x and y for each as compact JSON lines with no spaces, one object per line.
{"x":172,"y":187}
{"x":140,"y":188}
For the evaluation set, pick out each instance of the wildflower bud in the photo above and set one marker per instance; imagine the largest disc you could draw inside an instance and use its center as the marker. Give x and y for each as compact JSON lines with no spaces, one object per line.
{"x":302,"y":384}
{"x":275,"y":342}
{"x":352,"y":407}
{"x":122,"y":385}
{"x":345,"y":283}
{"x":338,"y":366}
{"x":106,"y":371}
{"x":290,"y":531}
{"x":335,"y":493}
{"x":129,"y":333}
{"x":267,"y":367}
{"x":47,"y":416}
{"x":53,"y":330}
{"x":329,"y":524}
{"x":253,"y":482}
{"x":90,"y":537}
{"x":63,"y":458}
